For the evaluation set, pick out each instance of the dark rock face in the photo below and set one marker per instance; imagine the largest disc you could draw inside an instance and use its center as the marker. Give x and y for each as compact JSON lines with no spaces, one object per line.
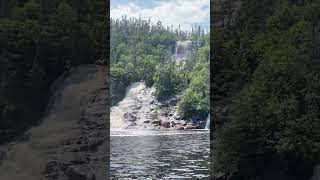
{"x":157,"y":122}
{"x":71,"y":141}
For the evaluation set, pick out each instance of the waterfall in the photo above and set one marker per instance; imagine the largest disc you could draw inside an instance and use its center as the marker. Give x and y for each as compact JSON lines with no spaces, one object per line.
{"x":70,"y":105}
{"x":117,"y":112}
{"x":182,"y":50}
{"x":208,"y":122}
{"x":134,"y":108}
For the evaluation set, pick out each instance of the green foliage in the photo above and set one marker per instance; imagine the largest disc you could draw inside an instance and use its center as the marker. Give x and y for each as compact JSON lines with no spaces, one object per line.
{"x":168,"y":81}
{"x":146,"y":69}
{"x":142,"y":51}
{"x":195,"y":99}
{"x":65,"y":18}
{"x":39,"y":41}
{"x":274,"y":123}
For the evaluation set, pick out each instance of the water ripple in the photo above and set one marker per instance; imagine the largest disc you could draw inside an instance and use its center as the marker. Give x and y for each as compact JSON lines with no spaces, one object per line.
{"x":160,"y":155}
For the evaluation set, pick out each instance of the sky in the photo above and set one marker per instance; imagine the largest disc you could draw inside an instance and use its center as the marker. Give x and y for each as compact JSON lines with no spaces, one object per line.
{"x":187,"y":13}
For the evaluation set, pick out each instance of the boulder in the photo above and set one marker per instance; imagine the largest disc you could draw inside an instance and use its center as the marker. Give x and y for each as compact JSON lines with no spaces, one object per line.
{"x":164,"y":112}
{"x":189,"y":126}
{"x":130,"y":117}
{"x":176,"y":117}
{"x":157,"y":122}
{"x":133,"y":124}
{"x":166,"y":124}
{"x":147,"y":121}
{"x":179,"y":127}
{"x":182,"y":122}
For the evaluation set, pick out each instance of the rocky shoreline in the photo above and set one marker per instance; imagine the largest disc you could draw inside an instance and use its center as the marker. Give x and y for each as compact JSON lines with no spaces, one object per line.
{"x":149,"y":113}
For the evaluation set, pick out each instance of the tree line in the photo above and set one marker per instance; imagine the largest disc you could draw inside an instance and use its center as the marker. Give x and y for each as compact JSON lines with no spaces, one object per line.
{"x":266,"y":75}
{"x":39,"y":41}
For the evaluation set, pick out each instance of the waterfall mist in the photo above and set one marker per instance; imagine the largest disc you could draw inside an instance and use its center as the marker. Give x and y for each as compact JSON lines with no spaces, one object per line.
{"x":183,"y":50}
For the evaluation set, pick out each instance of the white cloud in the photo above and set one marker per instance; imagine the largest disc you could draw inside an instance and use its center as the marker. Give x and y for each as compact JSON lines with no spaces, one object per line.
{"x":187,"y":13}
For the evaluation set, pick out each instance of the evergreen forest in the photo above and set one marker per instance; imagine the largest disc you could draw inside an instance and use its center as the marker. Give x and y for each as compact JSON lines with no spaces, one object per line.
{"x":265,"y":89}
{"x":40,"y":40}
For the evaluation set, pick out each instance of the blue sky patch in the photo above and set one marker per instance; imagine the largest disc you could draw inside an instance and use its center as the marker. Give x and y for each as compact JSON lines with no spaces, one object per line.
{"x":187,"y":13}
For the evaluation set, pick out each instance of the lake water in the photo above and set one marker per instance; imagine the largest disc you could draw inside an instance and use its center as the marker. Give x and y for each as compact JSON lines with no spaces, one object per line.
{"x":139,"y":154}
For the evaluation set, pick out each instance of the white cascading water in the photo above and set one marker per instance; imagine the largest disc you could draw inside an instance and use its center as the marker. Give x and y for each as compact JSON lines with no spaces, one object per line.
{"x":136,"y":101}
{"x":208,"y":122}
{"x":27,"y":159}
{"x":144,"y":105}
{"x":183,"y":50}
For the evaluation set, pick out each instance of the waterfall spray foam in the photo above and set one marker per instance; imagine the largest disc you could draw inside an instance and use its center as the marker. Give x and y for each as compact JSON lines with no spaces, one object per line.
{"x":208,"y":122}
{"x":118,"y":111}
